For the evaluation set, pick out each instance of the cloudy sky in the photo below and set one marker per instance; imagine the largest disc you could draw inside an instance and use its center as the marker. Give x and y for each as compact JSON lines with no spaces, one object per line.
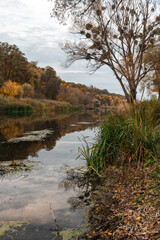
{"x":27,"y":24}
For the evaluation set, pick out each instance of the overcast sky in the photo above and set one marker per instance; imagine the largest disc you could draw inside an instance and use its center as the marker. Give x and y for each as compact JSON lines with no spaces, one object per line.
{"x":27,"y":24}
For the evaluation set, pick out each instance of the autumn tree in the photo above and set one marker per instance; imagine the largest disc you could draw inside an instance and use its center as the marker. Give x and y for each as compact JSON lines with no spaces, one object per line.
{"x":13,"y":64}
{"x":77,"y":97}
{"x":113,"y":33}
{"x":62,"y":93}
{"x":152,"y":60}
{"x":71,"y":93}
{"x":51,"y":83}
{"x":28,"y":90}
{"x":11,"y":89}
{"x":34,"y":74}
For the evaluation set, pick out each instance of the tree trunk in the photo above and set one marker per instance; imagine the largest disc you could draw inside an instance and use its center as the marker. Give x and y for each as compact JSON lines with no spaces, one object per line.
{"x":133,"y":95}
{"x":158,"y":92}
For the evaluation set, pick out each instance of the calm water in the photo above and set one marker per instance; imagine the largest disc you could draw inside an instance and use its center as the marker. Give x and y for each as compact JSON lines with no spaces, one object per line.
{"x":35,"y":155}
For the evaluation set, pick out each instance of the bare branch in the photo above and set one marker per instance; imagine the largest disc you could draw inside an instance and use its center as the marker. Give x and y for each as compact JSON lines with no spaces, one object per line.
{"x":115,"y":33}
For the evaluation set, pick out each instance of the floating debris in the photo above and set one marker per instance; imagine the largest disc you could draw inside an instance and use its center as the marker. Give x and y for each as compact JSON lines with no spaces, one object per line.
{"x":85,"y":123}
{"x":16,"y":167}
{"x":32,"y":136}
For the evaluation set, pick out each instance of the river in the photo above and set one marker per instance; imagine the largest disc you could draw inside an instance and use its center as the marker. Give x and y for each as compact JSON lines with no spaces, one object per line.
{"x":36,"y":153}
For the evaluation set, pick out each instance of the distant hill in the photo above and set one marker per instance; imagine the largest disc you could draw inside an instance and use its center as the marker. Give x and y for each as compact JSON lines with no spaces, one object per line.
{"x":21,"y":78}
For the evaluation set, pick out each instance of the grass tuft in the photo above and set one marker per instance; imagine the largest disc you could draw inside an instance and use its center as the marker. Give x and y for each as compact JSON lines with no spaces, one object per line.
{"x":18,"y":110}
{"x":125,"y":138}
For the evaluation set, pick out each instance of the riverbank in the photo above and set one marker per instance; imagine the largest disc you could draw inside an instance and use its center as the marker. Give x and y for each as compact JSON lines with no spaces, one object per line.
{"x":27,"y":105}
{"x":125,"y":206}
{"x":125,"y":155}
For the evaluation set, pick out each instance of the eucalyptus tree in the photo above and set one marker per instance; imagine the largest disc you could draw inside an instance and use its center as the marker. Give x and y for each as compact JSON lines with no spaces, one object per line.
{"x":113,"y":33}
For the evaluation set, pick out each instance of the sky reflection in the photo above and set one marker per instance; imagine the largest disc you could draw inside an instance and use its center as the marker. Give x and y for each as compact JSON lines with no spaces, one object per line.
{"x":28,"y":195}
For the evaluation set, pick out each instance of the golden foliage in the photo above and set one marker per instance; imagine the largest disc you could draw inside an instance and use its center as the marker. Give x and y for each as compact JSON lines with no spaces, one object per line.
{"x":11,"y":89}
{"x":12,"y":131}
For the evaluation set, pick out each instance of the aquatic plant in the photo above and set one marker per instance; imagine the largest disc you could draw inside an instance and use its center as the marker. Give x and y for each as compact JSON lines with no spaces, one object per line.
{"x":89,"y":153}
{"x":69,"y":108}
{"x":125,"y":138}
{"x":18,"y":110}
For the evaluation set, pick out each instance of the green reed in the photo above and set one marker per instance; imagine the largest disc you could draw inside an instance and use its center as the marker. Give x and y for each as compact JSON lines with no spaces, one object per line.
{"x":18,"y":110}
{"x":125,"y":138}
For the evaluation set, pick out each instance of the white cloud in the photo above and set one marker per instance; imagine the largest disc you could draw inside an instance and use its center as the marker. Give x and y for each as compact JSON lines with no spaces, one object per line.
{"x":27,"y":23}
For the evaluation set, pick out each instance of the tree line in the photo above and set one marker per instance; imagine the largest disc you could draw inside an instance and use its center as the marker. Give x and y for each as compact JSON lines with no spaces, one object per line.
{"x":21,"y":78}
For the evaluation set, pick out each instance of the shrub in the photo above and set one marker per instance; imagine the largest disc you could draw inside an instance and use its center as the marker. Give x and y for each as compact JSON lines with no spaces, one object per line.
{"x":148,"y":111}
{"x":28,"y":90}
{"x":5,"y":100}
{"x":11,"y":89}
{"x":18,"y":110}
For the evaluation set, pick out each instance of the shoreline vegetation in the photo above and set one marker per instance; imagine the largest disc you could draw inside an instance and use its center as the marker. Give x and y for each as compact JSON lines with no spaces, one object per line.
{"x":25,"y":83}
{"x":26,"y":106}
{"x":125,"y":157}
{"x":126,"y":152}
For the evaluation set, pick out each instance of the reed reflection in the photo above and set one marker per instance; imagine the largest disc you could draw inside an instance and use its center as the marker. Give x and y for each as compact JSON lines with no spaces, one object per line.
{"x":83,"y":184}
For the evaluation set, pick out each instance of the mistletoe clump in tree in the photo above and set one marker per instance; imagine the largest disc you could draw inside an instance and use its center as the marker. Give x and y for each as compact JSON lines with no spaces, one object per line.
{"x":113,"y":33}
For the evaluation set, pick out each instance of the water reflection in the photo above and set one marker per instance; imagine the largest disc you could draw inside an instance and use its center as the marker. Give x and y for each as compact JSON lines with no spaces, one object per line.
{"x":11,"y":169}
{"x":83,"y":185}
{"x":28,"y":191}
{"x":12,"y":133}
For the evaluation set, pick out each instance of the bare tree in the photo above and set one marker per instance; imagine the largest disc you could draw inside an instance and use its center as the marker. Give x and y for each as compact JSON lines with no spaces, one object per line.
{"x":113,"y":33}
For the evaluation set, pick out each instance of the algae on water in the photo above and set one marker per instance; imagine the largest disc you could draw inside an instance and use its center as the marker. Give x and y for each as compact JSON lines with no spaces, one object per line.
{"x":9,"y":226}
{"x":69,"y":234}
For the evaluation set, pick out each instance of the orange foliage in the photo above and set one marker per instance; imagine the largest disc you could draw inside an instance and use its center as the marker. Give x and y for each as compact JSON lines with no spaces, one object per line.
{"x":11,"y":89}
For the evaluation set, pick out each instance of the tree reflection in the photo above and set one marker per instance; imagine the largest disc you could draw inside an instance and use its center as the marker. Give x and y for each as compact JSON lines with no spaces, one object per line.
{"x":59,"y":126}
{"x":83,"y":185}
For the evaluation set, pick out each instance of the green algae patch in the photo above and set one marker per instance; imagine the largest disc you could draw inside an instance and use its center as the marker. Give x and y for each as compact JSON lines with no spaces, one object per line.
{"x":9,"y":227}
{"x":69,"y":233}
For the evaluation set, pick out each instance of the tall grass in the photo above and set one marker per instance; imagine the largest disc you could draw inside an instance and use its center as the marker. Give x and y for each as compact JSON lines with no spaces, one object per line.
{"x":70,"y":108}
{"x":126,"y":138}
{"x":147,"y":111}
{"x":4,"y":101}
{"x":41,"y":105}
{"x":89,"y":153}
{"x":18,"y":110}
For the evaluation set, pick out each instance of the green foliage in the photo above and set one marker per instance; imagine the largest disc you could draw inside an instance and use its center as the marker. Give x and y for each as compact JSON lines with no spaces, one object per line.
{"x":148,"y":111}
{"x":120,"y":217}
{"x":69,"y":108}
{"x":38,"y":105}
{"x":18,"y":110}
{"x":89,"y":154}
{"x":132,"y":137}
